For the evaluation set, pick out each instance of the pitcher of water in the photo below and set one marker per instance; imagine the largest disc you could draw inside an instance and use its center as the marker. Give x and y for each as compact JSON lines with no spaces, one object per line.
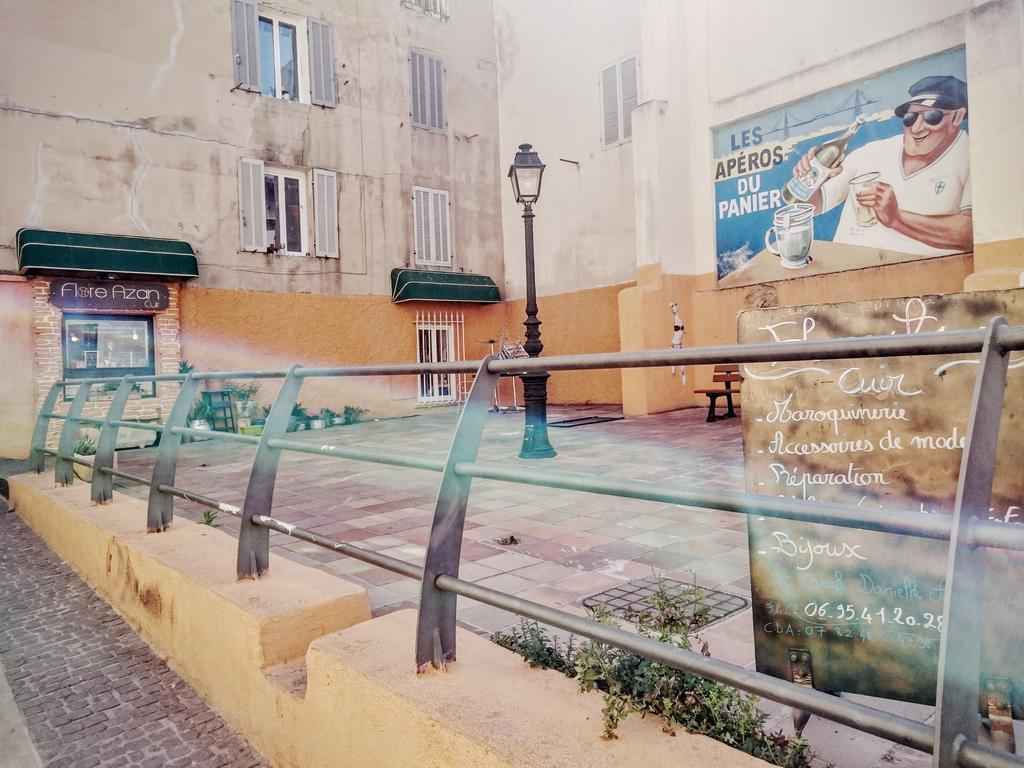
{"x":793,"y":229}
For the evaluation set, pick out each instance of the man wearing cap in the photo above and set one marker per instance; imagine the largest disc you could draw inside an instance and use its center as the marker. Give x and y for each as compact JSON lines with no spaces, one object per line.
{"x":922,"y":195}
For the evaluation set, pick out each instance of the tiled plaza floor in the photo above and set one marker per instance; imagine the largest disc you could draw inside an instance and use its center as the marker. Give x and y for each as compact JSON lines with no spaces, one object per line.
{"x":571,"y":544}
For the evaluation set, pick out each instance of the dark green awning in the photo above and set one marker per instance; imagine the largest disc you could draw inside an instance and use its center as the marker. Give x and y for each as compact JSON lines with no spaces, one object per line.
{"x":421,"y":285}
{"x":48,"y":252}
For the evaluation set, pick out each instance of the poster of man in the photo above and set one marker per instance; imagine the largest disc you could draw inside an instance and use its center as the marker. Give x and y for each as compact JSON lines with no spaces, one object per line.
{"x":871,"y":173}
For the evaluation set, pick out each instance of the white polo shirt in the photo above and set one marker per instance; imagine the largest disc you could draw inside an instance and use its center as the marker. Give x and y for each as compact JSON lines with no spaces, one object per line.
{"x":943,"y":187}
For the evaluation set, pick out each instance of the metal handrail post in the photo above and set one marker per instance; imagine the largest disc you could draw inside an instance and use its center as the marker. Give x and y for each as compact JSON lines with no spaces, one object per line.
{"x":36,"y":457}
{"x":435,"y":625}
{"x":956,"y":697}
{"x":64,"y":471}
{"x":254,"y":540}
{"x":103,"y":482}
{"x":161,"y":504}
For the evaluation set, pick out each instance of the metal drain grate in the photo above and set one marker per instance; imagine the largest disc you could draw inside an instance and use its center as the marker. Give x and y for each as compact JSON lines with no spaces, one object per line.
{"x":635,"y":596}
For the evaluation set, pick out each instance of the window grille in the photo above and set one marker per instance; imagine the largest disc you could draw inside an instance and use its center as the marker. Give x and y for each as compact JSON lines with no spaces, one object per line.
{"x":440,"y":338}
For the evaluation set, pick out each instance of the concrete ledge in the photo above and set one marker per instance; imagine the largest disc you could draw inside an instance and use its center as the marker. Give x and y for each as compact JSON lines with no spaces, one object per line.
{"x":242,"y":646}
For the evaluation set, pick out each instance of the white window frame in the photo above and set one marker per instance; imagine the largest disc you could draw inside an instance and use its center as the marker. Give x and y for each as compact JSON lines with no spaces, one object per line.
{"x":437,"y":8}
{"x":301,"y":50}
{"x":444,"y":334}
{"x":304,"y":187}
{"x":623,"y":115}
{"x":429,"y":227}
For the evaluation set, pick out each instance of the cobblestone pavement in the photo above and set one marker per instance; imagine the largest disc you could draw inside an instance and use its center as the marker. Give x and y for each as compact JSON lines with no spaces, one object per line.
{"x":92,"y":693}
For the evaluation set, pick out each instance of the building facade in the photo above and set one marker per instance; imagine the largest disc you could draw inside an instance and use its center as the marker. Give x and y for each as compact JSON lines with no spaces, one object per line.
{"x":335,"y":171}
{"x":312,"y":156}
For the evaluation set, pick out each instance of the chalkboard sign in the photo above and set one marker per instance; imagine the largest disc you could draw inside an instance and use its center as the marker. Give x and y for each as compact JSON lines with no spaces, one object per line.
{"x":876,"y":433}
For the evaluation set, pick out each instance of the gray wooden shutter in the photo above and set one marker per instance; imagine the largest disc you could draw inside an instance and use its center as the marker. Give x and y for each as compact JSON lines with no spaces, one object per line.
{"x":252,"y":205}
{"x":437,"y":116}
{"x":628,"y":72}
{"x":610,"y":104}
{"x":443,"y":254}
{"x":325,"y":208}
{"x":321,"y":63}
{"x":419,"y":90}
{"x":420,"y":218}
{"x":244,"y":30}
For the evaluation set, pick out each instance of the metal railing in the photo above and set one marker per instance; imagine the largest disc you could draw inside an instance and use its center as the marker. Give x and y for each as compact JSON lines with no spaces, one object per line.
{"x":953,"y":738}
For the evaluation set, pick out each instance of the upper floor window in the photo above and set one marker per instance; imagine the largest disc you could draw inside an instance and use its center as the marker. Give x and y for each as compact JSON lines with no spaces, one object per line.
{"x":428,"y":102}
{"x":438,"y":8}
{"x":431,"y":226}
{"x":618,"y":99}
{"x":282,"y":55}
{"x":274,"y":214}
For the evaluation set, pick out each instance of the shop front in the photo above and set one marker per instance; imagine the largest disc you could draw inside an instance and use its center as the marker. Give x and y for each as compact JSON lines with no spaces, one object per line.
{"x":106,"y":306}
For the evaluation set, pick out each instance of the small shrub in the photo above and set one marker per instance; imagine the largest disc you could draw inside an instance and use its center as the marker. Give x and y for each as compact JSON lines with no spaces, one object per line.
{"x":85,"y":446}
{"x":353,"y":413}
{"x":328,"y":415}
{"x":210,"y":518}
{"x":632,"y":683}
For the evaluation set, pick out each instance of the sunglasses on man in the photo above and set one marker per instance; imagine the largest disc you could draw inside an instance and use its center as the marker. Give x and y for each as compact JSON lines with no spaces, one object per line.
{"x":930,"y":116}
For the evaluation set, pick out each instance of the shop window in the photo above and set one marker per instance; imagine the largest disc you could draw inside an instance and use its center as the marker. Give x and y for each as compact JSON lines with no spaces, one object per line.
{"x":106,"y":346}
{"x":440,"y":338}
{"x":431,"y":227}
{"x":281,"y":55}
{"x":428,"y":102}
{"x":619,"y":93}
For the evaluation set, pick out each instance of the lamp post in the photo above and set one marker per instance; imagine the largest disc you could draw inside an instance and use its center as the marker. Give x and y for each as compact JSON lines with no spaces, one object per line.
{"x":525,"y":172}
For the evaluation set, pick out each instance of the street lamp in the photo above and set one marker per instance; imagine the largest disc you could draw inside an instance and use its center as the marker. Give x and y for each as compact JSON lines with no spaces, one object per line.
{"x":525,"y":172}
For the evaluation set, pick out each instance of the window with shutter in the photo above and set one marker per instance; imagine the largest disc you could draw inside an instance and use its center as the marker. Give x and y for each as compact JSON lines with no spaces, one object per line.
{"x":427,"y":87}
{"x":619,"y":96}
{"x":325,"y":211}
{"x":281,"y":55}
{"x":436,"y":8}
{"x":431,"y":227}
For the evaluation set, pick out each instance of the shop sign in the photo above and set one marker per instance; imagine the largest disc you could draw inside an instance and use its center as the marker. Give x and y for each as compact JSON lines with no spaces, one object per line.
{"x":108,"y":294}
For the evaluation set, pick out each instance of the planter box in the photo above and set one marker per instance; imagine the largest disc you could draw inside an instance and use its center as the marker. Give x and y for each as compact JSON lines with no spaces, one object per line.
{"x":85,"y":473}
{"x":255,"y":429}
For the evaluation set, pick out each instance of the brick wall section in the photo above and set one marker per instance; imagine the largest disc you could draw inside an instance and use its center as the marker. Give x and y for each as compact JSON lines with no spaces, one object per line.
{"x":49,"y":362}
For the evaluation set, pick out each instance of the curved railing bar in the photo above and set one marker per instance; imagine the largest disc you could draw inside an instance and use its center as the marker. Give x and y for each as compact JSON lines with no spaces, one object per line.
{"x":435,"y":626}
{"x":161,"y":504}
{"x":37,"y":453}
{"x":102,"y":489}
{"x":253,"y":540}
{"x":63,"y":471}
{"x":956,"y":697}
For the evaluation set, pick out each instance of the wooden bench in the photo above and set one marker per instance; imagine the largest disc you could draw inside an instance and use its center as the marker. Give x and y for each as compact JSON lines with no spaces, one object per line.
{"x":727,"y":375}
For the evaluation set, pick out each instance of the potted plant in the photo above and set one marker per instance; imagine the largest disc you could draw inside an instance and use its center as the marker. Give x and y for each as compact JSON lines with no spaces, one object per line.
{"x":201,"y":416}
{"x":298,"y":419}
{"x":352,"y":414}
{"x":330,"y":416}
{"x":316,"y":422}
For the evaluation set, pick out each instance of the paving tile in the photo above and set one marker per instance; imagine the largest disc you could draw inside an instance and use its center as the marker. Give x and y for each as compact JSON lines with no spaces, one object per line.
{"x":546,"y":573}
{"x":655,"y":539}
{"x":506,"y":582}
{"x":509,"y":561}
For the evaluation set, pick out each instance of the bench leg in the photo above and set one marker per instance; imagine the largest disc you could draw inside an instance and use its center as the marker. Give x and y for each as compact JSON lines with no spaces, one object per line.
{"x":730,"y":414}
{"x":712,"y":399}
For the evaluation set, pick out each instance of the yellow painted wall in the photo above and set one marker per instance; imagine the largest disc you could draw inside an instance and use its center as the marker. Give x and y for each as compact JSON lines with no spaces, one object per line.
{"x":583,"y":322}
{"x":710,"y":314}
{"x":249,"y":330}
{"x":17,"y":385}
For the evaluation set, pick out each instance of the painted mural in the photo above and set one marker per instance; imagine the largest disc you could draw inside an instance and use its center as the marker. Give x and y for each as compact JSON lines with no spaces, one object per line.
{"x":870,"y":173}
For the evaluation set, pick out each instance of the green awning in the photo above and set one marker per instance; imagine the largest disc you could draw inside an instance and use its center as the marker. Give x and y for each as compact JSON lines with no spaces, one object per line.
{"x":48,"y":252}
{"x":422,"y":285}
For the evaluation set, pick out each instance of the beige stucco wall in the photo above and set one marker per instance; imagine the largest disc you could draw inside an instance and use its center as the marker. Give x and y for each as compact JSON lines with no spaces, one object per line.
{"x":17,"y":396}
{"x":550,"y":57}
{"x":124,"y":120}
